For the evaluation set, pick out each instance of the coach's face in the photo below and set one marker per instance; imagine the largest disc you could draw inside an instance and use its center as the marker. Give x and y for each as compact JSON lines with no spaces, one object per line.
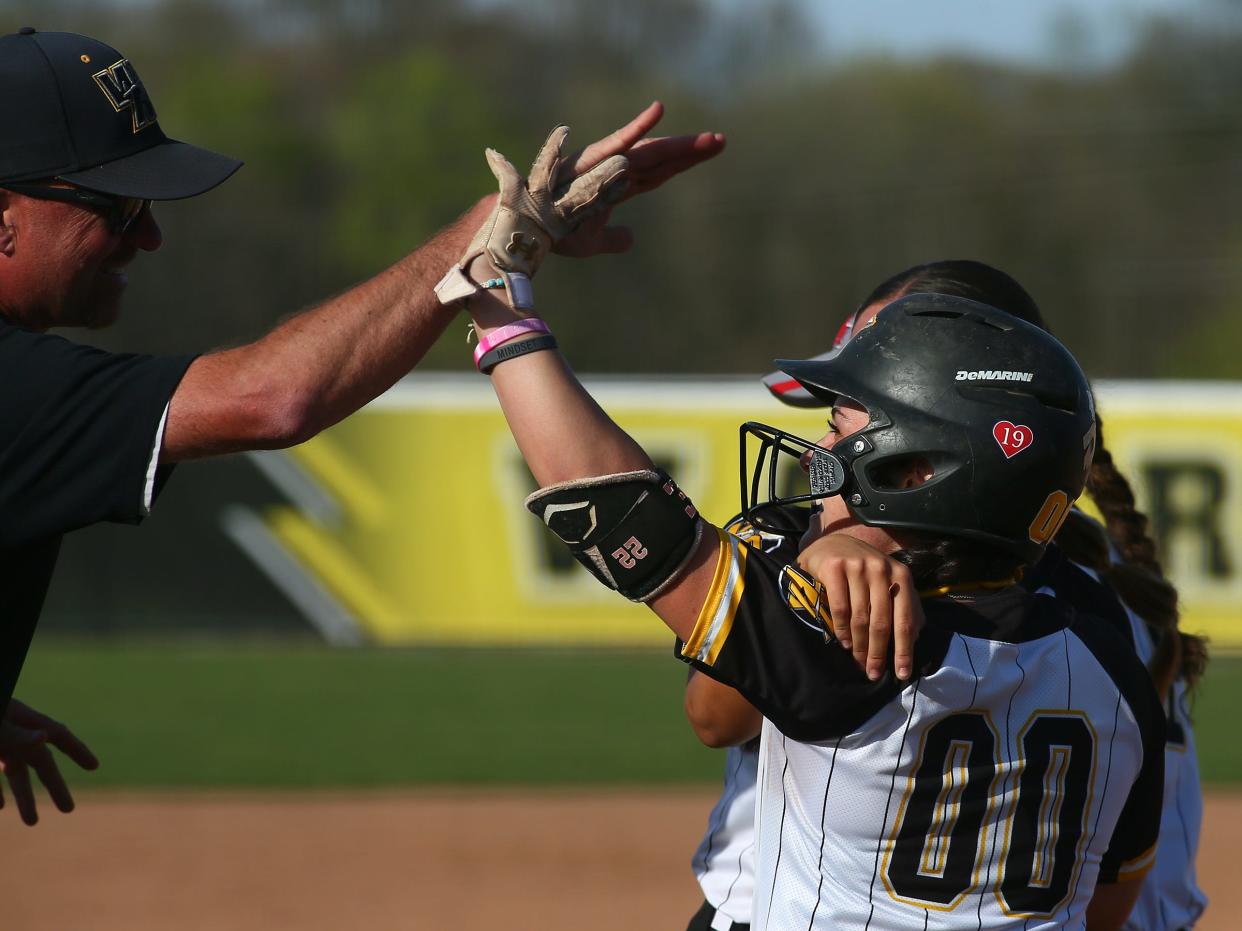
{"x":60,"y":264}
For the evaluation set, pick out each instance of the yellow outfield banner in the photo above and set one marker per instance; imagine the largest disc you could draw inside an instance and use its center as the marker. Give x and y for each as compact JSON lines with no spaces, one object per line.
{"x":405,"y":523}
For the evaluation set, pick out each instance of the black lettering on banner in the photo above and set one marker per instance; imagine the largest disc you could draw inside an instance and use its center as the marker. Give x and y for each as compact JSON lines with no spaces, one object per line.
{"x":935,"y":857}
{"x":1186,"y":501}
{"x":940,"y":826}
{"x":1049,"y":816}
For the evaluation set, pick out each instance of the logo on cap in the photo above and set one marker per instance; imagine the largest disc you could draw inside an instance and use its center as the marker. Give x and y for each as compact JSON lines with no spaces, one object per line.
{"x":121,"y":86}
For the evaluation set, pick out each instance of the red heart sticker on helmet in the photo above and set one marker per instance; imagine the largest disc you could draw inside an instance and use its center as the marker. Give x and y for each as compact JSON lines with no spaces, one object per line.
{"x":1012,"y":439}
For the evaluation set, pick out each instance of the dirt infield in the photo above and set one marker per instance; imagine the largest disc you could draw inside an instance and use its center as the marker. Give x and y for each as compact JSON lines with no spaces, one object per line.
{"x":570,"y":860}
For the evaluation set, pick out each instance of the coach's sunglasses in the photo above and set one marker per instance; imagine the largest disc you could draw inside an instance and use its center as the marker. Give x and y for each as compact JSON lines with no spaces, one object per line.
{"x":118,"y":212}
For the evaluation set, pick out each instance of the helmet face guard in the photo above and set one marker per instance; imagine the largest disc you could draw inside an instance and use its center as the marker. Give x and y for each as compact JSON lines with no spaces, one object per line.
{"x":765,"y":495}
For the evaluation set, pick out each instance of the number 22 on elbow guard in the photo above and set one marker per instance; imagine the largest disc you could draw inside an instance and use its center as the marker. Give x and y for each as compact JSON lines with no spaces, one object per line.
{"x":629,"y":553}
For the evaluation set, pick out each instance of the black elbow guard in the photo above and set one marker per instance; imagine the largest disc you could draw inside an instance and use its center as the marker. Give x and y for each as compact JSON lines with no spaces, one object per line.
{"x":633,"y":530}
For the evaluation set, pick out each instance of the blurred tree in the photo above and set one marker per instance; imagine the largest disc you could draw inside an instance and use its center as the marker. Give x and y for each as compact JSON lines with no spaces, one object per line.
{"x":1111,"y":191}
{"x":407,"y":139}
{"x":1211,"y":346}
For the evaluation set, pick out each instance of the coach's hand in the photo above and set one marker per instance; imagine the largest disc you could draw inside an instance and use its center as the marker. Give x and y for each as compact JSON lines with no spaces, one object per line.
{"x":26,"y":739}
{"x":871,"y":598}
{"x":652,"y":162}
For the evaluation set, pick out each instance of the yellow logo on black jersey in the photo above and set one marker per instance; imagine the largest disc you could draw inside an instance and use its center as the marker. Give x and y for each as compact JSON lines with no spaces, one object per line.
{"x":807,"y":599}
{"x":752,"y":536}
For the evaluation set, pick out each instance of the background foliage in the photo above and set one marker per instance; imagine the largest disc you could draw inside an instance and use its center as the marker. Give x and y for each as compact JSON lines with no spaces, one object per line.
{"x":1112,"y":191}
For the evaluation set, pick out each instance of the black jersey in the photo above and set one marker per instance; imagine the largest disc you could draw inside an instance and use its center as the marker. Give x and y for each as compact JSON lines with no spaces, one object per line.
{"x":77,"y":437}
{"x":1020,"y":767}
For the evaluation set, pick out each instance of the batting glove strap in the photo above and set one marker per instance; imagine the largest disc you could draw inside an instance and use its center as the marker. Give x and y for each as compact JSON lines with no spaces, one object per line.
{"x":634,"y":531}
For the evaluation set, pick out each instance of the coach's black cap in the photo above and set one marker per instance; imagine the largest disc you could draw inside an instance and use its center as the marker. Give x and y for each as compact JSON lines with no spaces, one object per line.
{"x":75,"y":109}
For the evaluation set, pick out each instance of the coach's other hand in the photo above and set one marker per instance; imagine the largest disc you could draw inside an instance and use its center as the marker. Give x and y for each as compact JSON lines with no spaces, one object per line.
{"x":652,"y":162}
{"x":26,"y":739}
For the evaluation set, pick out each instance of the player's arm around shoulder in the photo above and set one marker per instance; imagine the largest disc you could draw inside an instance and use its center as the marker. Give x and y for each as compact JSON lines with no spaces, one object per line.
{"x":872,"y":601}
{"x":719,"y":715}
{"x":1111,"y":904}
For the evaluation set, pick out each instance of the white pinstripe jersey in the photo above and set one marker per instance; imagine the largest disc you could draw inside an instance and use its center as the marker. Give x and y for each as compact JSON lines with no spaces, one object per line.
{"x":1171,"y":897}
{"x":724,"y":864}
{"x":1022,"y":765}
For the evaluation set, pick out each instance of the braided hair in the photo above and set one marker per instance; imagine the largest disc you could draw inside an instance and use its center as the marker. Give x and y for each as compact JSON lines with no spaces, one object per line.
{"x":937,"y":561}
{"x":1136,"y":574}
{"x":1138,"y":577}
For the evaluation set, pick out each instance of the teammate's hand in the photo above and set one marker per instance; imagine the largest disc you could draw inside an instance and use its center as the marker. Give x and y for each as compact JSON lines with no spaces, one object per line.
{"x":652,"y":162}
{"x":26,"y":739}
{"x":535,"y":213}
{"x":530,"y":216}
{"x":871,"y":598}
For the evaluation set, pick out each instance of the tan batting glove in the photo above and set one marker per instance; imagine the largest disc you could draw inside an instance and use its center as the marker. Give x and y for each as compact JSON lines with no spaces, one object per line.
{"x":530,"y":216}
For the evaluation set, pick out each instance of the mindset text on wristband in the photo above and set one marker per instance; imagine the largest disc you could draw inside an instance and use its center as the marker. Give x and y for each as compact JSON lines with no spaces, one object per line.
{"x":512,"y":350}
{"x":505,"y":333}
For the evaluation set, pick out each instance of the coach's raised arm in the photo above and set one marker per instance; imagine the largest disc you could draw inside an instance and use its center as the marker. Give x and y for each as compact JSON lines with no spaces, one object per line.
{"x":89,"y":436}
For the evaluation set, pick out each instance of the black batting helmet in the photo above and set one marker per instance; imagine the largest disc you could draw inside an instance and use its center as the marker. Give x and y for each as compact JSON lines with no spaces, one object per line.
{"x":999,"y":409}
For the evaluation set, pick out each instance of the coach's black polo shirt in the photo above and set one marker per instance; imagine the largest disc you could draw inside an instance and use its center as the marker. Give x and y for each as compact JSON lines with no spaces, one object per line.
{"x":77,"y":433}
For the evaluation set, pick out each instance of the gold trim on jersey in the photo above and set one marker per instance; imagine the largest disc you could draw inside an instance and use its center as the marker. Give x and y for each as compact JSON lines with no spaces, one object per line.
{"x":995,"y":584}
{"x":1137,"y":868}
{"x":1087,"y":809}
{"x":948,"y":806}
{"x":890,"y":841}
{"x":1048,"y":829}
{"x":715,"y":620}
{"x":752,"y":536}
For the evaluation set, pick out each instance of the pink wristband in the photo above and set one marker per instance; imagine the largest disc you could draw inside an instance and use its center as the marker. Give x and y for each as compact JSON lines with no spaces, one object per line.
{"x":506,"y":333}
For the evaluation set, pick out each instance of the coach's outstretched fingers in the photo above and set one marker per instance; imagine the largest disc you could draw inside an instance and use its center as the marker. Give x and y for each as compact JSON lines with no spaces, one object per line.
{"x":652,"y":162}
{"x":616,"y":142}
{"x":658,"y":158}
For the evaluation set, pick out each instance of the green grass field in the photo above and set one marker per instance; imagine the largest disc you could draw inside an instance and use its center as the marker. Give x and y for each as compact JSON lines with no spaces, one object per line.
{"x":304,"y":716}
